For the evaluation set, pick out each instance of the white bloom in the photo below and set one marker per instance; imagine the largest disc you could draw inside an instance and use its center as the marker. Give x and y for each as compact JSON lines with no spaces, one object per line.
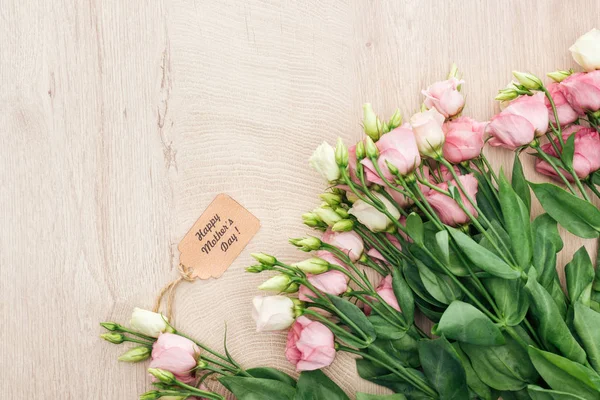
{"x":427,"y":127}
{"x":148,"y":323}
{"x":323,"y":161}
{"x":372,"y":218}
{"x":272,"y":313}
{"x":586,"y":50}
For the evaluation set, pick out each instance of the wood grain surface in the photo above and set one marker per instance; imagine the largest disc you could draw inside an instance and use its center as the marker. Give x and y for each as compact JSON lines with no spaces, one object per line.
{"x":120,"y":121}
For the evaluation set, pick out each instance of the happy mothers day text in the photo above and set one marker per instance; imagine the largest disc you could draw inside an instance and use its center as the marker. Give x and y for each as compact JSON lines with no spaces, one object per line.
{"x":219,"y":232}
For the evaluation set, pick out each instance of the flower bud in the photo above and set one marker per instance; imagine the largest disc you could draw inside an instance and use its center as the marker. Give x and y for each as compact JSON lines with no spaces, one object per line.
{"x":341,"y":154}
{"x":151,"y":395}
{"x":323,"y":160}
{"x":273,"y":313}
{"x":331,"y":198}
{"x":313,"y":265}
{"x":370,"y":148}
{"x":114,"y":338}
{"x":309,"y":243}
{"x":265,"y":259}
{"x":201,"y":364}
{"x":528,"y":80}
{"x":453,"y":71}
{"x":360,"y":150}
{"x":327,"y":215}
{"x":345,"y":225}
{"x":395,"y":121}
{"x":506,"y":95}
{"x":311,"y":219}
{"x":255,"y":269}
{"x":149,"y":323}
{"x":299,"y":307}
{"x":162,"y":375}
{"x":135,"y":354}
{"x":560,"y":75}
{"x":393,"y":170}
{"x":110,"y":326}
{"x":342,"y":212}
{"x":371,"y":123}
{"x":278,"y":283}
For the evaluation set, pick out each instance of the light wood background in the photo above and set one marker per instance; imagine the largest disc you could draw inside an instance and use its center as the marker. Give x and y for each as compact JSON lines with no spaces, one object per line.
{"x":121,"y":120}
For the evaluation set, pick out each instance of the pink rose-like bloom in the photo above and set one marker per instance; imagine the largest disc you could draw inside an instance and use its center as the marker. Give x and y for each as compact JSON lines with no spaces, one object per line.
{"x":586,"y":158}
{"x":464,"y":139}
{"x":429,"y":135}
{"x":386,"y":291}
{"x":445,"y":97}
{"x":400,"y":199}
{"x":348,"y":242}
{"x":310,"y":345}
{"x":376,"y":254}
{"x":399,"y":147}
{"x":523,"y":120}
{"x":566,"y":114}
{"x":447,"y":209}
{"x":331,"y":282}
{"x":582,"y":91}
{"x":176,"y":354}
{"x":443,"y":174}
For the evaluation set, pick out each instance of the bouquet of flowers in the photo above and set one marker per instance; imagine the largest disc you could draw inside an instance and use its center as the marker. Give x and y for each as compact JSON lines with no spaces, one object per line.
{"x":416,"y":220}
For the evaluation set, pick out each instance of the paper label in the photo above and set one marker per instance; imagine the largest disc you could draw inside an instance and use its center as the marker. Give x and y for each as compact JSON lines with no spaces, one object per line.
{"x":217,"y":237}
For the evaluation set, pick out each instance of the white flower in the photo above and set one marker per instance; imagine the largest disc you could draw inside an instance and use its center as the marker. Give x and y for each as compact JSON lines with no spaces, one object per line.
{"x":272,"y":313}
{"x":323,"y":161}
{"x":427,"y":127}
{"x":372,"y":218}
{"x":148,"y":323}
{"x":586,"y":50}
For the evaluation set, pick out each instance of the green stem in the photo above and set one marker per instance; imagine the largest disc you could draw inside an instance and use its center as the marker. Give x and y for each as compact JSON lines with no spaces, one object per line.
{"x":204,"y":347}
{"x":133,"y":340}
{"x":140,"y":335}
{"x":593,"y":188}
{"x":546,"y":158}
{"x":196,"y":391}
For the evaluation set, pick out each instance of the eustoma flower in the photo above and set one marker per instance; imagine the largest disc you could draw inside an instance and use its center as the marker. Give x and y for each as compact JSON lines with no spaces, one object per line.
{"x":331,"y":282}
{"x":175,"y":354}
{"x":586,"y":50}
{"x":273,"y":313}
{"x":348,"y":242}
{"x":566,"y":114}
{"x":310,"y":345}
{"x":323,"y":161}
{"x":582,"y":91}
{"x":445,"y":97}
{"x":371,"y":217}
{"x":399,"y":148}
{"x":149,"y":323}
{"x":386,"y":291}
{"x":520,"y":123}
{"x":586,"y":158}
{"x":447,"y":208}
{"x":464,"y":139}
{"x":429,"y":135}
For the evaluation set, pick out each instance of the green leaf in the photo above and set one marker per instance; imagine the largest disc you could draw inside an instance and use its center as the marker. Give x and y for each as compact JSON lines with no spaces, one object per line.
{"x":411,"y":273}
{"x":244,"y":388}
{"x":365,"y":396}
{"x":439,"y":286}
{"x":510,"y":298}
{"x":505,"y":367}
{"x":315,"y":385}
{"x":578,"y":216}
{"x":483,"y":258}
{"x":358,"y":318}
{"x":429,"y":310}
{"x":538,"y":393}
{"x":272,"y":373}
{"x":475,"y":384}
{"x":403,"y":349}
{"x":563,"y":374}
{"x":568,"y":151}
{"x":587,"y":326}
{"x":552,"y":328}
{"x":384,"y":329}
{"x":579,"y":273}
{"x":382,"y":376}
{"x":486,"y":199}
{"x":404,"y":295}
{"x":516,"y":221}
{"x":519,"y":183}
{"x":441,"y":239}
{"x":443,"y":368}
{"x":414,"y":226}
{"x":465,"y":323}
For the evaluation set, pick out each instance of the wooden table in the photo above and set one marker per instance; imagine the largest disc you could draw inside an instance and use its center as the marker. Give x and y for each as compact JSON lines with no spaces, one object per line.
{"x":121,"y":120}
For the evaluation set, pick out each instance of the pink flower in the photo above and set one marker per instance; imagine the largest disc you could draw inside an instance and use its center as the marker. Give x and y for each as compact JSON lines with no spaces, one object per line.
{"x":445,"y":97}
{"x":586,"y":158}
{"x":348,"y":242}
{"x":376,"y":254}
{"x":310,"y":345}
{"x":427,"y":127}
{"x":176,"y":354}
{"x":400,"y":199}
{"x":566,"y":114}
{"x":386,"y":291}
{"x":399,"y":147}
{"x":464,"y":139}
{"x":582,"y":91}
{"x":331,"y":282}
{"x":446,"y":208}
{"x":522,"y":121}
